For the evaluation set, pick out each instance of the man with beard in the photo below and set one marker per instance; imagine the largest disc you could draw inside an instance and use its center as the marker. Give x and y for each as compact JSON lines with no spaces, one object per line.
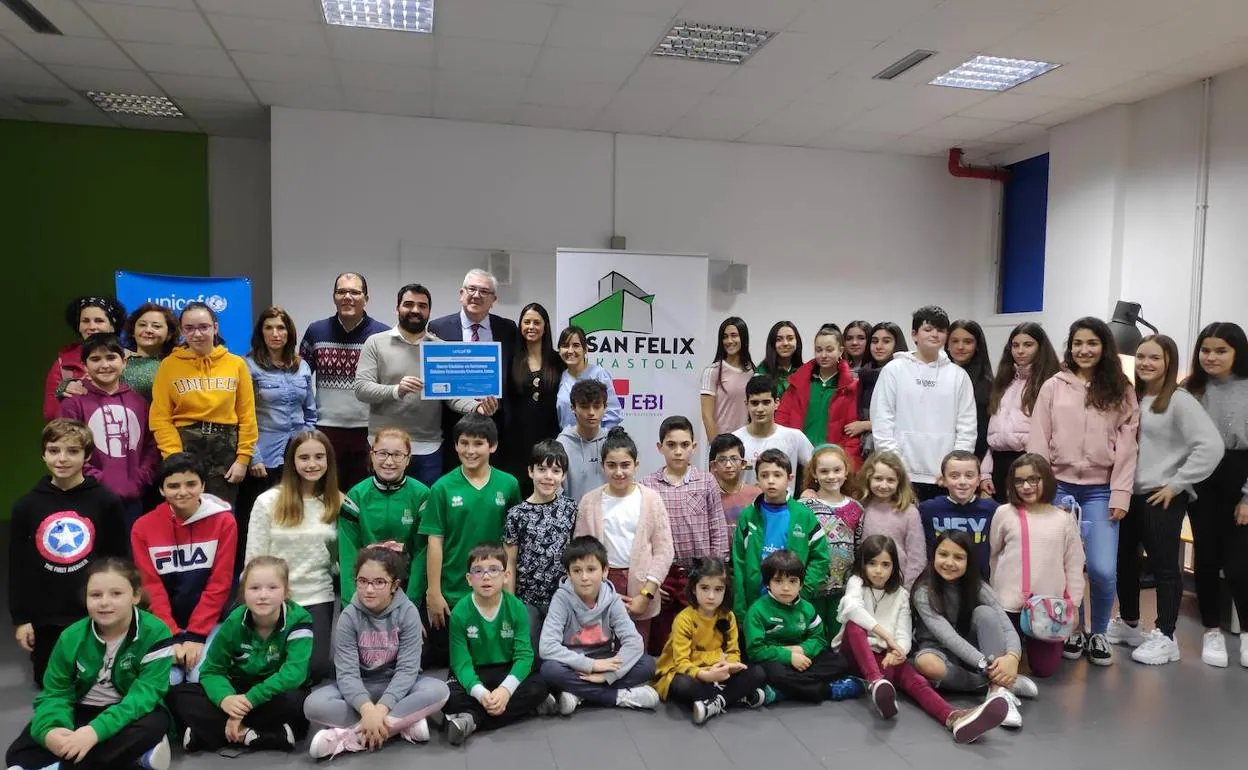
{"x":387,"y":380}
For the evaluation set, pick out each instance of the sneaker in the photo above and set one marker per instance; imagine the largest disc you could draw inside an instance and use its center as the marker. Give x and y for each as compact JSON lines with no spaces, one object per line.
{"x":332,"y":741}
{"x":1099,"y":651}
{"x":271,"y":740}
{"x":548,"y":707}
{"x":643,"y":697}
{"x":1243,"y":650}
{"x":968,"y":725}
{"x":847,"y":688}
{"x":567,"y":703}
{"x":1073,"y":648}
{"x":756,"y":699}
{"x":157,"y":757}
{"x":416,"y":732}
{"x":884,"y":698}
{"x":189,"y":744}
{"x":1013,"y":718}
{"x":1157,"y":650}
{"x":705,"y":709}
{"x":1025,"y":687}
{"x":1122,"y":632}
{"x":459,"y":727}
{"x":1213,"y":649}
{"x":771,"y":695}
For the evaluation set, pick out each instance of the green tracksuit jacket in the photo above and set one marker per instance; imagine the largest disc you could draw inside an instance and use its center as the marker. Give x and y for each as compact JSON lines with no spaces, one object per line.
{"x":806,"y":540}
{"x":770,"y":627}
{"x":239,"y":660}
{"x":475,"y":641}
{"x":371,"y":515}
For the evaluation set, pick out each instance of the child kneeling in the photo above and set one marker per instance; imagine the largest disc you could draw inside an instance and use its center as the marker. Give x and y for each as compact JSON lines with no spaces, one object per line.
{"x":100,"y":704}
{"x":254,"y":679}
{"x":590,"y":648}
{"x":379,"y":691}
{"x":492,"y":681}
{"x":701,"y":663}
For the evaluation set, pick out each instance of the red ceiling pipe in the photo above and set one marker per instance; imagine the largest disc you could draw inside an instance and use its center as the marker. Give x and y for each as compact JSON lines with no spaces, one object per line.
{"x":973,"y":172}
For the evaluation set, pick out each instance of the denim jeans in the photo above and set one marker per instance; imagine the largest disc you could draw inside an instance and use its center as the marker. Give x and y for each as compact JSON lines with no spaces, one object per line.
{"x":426,"y":468}
{"x":1100,"y":546}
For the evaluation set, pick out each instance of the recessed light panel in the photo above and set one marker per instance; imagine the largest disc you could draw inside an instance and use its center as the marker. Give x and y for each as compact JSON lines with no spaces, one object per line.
{"x":993,"y":73}
{"x":712,"y":42}
{"x":135,"y":104}
{"x":403,"y":15}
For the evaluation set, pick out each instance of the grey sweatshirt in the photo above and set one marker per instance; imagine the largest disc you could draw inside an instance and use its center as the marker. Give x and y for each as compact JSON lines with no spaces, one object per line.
{"x":385,"y":359}
{"x":377,"y":647}
{"x":1226,"y":401}
{"x":932,"y":628}
{"x":575,"y":634}
{"x":1179,"y":447}
{"x":585,"y":462}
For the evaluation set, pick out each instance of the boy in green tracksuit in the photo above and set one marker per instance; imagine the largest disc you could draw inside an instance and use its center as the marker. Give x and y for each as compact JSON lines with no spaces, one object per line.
{"x":785,"y":635}
{"x":492,"y":680}
{"x":384,"y":509}
{"x":466,"y":507}
{"x":100,"y":705}
{"x":254,"y":678}
{"x":773,"y":523}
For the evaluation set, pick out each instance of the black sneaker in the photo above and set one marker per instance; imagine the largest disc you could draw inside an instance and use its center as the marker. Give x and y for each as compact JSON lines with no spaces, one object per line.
{"x":189,"y":743}
{"x":756,"y":699}
{"x":1074,"y":646}
{"x":282,"y":739}
{"x":1099,"y":651}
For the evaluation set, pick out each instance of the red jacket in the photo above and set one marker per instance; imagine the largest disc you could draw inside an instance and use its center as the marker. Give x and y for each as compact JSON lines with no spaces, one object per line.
{"x":842,"y":409}
{"x":67,"y":366}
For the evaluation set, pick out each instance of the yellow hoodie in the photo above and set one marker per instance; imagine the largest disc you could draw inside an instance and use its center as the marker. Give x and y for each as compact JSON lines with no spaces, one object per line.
{"x":215,"y":388}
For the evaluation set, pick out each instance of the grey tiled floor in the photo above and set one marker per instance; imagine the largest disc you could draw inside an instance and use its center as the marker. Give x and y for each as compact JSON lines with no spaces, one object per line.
{"x":1125,"y":716}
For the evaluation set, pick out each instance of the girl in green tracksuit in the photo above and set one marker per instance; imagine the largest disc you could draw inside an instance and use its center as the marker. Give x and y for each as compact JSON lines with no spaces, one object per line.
{"x":100,"y":704}
{"x":255,"y":676}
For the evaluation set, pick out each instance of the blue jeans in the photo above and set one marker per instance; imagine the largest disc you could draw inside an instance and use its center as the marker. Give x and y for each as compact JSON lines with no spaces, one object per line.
{"x":1100,"y":547}
{"x":179,"y":675}
{"x":426,"y":468}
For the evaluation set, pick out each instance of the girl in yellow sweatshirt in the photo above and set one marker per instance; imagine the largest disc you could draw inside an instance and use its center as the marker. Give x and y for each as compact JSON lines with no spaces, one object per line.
{"x":701,"y":662}
{"x":203,"y":403}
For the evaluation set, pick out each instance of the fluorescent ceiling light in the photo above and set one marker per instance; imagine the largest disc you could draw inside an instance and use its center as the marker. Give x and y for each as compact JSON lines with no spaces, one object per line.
{"x":993,"y":73}
{"x":711,"y":42}
{"x":403,"y":15}
{"x":135,"y":104}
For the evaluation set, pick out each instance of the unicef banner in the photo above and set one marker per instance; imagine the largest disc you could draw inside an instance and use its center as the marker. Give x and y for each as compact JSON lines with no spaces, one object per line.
{"x":644,"y":315}
{"x":229,"y":297}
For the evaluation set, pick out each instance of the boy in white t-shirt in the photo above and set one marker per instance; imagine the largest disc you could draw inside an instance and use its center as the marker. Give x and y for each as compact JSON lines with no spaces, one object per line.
{"x":762,"y":432}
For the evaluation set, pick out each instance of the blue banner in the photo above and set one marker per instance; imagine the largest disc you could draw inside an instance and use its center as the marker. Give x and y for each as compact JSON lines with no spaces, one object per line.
{"x":461,"y":370}
{"x":229,"y":297}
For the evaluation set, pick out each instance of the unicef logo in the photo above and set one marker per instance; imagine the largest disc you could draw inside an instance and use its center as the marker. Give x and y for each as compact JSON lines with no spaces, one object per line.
{"x":216,"y":302}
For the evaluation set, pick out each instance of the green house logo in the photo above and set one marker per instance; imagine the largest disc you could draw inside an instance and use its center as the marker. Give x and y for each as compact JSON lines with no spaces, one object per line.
{"x":622,"y":306}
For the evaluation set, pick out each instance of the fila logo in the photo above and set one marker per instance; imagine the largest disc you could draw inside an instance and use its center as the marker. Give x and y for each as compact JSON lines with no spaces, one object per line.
{"x":183,"y":558}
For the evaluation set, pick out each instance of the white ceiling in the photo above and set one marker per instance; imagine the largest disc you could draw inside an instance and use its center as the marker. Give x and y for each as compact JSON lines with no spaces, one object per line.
{"x":584,"y":64}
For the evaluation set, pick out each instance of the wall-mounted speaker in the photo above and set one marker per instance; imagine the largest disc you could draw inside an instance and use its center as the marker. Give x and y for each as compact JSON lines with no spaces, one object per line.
{"x":735,"y":279}
{"x":500,"y":267}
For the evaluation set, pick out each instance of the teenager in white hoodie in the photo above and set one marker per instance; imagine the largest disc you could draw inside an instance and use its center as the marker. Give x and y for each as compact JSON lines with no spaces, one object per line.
{"x":924,"y":404}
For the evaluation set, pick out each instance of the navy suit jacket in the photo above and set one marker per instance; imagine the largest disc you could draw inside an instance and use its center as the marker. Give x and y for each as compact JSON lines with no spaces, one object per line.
{"x":504,"y":331}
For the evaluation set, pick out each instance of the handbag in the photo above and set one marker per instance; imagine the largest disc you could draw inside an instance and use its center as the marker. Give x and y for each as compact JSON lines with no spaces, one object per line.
{"x":1046,"y":618}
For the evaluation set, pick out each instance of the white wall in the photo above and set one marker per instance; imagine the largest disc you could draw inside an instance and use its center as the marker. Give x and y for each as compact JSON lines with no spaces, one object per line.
{"x":828,"y":235}
{"x":239,"y":200}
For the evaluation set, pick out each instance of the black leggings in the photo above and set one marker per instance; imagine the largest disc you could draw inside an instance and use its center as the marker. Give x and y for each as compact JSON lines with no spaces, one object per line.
{"x":685,"y":689}
{"x":1001,"y":461}
{"x":524,"y":701}
{"x":122,"y":750}
{"x":811,"y":685}
{"x":207,"y":721}
{"x":321,"y":666}
{"x":1221,"y":544}
{"x":1159,"y":530}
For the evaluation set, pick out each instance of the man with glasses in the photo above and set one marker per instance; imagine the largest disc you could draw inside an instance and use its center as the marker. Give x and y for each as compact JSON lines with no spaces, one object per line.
{"x":331,"y":347}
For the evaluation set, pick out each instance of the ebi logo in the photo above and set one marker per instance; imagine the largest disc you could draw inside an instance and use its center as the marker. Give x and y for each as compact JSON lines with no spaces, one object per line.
{"x":184,"y":557}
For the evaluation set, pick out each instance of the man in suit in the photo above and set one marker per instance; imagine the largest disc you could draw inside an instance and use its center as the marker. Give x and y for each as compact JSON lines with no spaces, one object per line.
{"x":474,"y":322}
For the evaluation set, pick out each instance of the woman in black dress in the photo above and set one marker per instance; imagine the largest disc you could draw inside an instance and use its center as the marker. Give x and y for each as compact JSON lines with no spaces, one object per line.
{"x":535,"y":371}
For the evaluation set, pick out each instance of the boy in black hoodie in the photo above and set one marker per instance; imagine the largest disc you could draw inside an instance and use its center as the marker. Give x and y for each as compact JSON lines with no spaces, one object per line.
{"x":55,"y":529}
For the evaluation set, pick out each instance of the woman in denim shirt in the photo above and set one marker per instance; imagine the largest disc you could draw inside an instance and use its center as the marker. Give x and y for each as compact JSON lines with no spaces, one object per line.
{"x":285,"y":405}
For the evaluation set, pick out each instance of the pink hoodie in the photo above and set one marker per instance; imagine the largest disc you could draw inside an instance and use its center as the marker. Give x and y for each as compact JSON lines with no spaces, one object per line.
{"x":1084,"y":445}
{"x":1010,"y":426}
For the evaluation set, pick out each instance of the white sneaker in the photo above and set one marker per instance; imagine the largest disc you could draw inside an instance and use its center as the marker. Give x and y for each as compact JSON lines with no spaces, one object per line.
{"x":705,"y":709}
{"x":1157,"y":650}
{"x":157,"y":757}
{"x":548,"y":707}
{"x":1243,"y":650}
{"x":1213,"y":649}
{"x":332,"y":741}
{"x":1025,"y":687}
{"x":1121,"y":632}
{"x":567,"y":703}
{"x":416,"y":732}
{"x":1013,"y":718}
{"x":643,"y":697}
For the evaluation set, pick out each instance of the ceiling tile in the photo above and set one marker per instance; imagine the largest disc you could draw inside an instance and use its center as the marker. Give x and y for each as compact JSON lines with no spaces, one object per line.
{"x":240,"y":33}
{"x":1213,"y":62}
{"x":776,"y":86}
{"x":1078,"y":82}
{"x":858,"y":91}
{"x":180,"y":60}
{"x":644,"y":111}
{"x":868,"y":19}
{"x":75,"y":51}
{"x":148,"y":123}
{"x":376,"y":76}
{"x":298,"y":95}
{"x":962,"y":129}
{"x":801,"y":122}
{"x":982,"y":152}
{"x":293,"y":10}
{"x":694,"y":76}
{"x":697,"y":126}
{"x":209,"y":109}
{"x":387,"y":102}
{"x":10,"y":51}
{"x":151,"y":25}
{"x":916,"y":145}
{"x":772,"y":14}
{"x":381,"y":45}
{"x":1019,"y":133}
{"x":50,"y":90}
{"x":99,"y":79}
{"x":656,"y":7}
{"x":1014,"y":107}
{"x":478,"y":86}
{"x":902,"y":116}
{"x":513,"y":21}
{"x":584,"y":65}
{"x":845,"y":139}
{"x":1122,"y":13}
{"x":1054,"y":40}
{"x":483,"y":110}
{"x":547,"y":116}
{"x":26,"y":73}
{"x":553,"y":93}
{"x":803,"y":52}
{"x":274,"y":68}
{"x":1142,"y":88}
{"x":198,"y":87}
{"x":731,"y":109}
{"x":186,"y":5}
{"x":1075,"y":108}
{"x":477,"y":56}
{"x":944,"y":29}
{"x":608,"y":31}
{"x":65,"y":14}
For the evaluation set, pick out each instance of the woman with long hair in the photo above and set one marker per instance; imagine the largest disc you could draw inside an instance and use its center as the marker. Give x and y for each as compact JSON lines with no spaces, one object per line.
{"x":783,"y":356}
{"x":857,"y":336}
{"x":1219,"y":511}
{"x":151,"y":334}
{"x":1027,"y":362}
{"x":530,"y":408}
{"x":885,"y":339}
{"x":967,"y":347}
{"x":574,"y":352}
{"x":86,"y":316}
{"x":1085,"y":423}
{"x":723,"y":382}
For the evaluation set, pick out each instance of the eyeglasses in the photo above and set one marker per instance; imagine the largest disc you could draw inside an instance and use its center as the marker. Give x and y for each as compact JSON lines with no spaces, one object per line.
{"x":197,"y":329}
{"x":729,"y":461}
{"x":477,"y":291}
{"x":481,"y":571}
{"x":348,"y":293}
{"x":397,"y":457}
{"x":378,"y":583}
{"x":1031,"y":481}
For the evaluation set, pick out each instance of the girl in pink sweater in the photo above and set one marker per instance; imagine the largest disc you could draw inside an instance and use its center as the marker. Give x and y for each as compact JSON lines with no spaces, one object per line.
{"x":1085,"y":425}
{"x":1027,"y":362}
{"x":890,"y":511}
{"x":1055,"y":553}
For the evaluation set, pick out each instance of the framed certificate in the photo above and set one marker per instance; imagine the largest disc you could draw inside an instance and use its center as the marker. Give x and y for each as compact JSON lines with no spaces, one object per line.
{"x":461,"y":370}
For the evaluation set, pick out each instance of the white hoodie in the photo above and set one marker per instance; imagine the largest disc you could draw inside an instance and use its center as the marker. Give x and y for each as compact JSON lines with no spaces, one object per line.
{"x":922,"y":412}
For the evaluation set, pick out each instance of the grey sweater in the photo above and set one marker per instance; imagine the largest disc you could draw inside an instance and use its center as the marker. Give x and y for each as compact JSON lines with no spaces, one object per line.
{"x":1179,"y":447}
{"x":377,"y":647}
{"x":934,"y":629}
{"x":1226,"y":401}
{"x":575,"y":634}
{"x":585,"y":466}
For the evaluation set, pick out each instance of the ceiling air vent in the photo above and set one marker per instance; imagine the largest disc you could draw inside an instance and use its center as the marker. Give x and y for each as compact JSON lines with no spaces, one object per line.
{"x":910,"y":60}
{"x":28,"y":13}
